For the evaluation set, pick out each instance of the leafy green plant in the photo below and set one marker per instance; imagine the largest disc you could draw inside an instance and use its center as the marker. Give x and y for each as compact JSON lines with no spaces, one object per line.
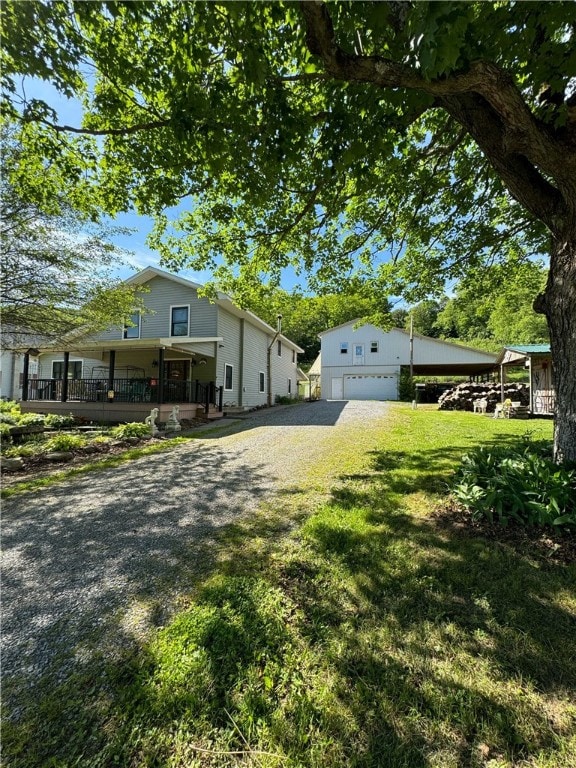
{"x":132,"y":429}
{"x":7,"y":418}
{"x":59,"y":420}
{"x":520,"y":484}
{"x":9,"y":406}
{"x":406,"y":386}
{"x":283,"y":400}
{"x":5,"y":434}
{"x":30,"y":419}
{"x":65,"y":442}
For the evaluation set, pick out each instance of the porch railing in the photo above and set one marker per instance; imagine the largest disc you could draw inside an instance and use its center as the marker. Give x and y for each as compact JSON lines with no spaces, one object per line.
{"x":127,"y":391}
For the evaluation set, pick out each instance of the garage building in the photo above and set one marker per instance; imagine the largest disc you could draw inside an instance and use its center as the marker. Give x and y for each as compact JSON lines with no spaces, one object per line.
{"x":364,"y":363}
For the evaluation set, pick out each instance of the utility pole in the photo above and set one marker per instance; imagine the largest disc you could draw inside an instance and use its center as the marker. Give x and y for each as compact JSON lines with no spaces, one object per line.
{"x":411,"y":346}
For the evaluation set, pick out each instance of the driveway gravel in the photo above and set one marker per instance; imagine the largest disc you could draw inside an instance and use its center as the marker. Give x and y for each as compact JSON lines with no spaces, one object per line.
{"x":84,"y":561}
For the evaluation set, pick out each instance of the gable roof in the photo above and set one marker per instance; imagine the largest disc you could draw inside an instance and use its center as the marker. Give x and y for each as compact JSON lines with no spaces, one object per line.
{"x":489,"y":355}
{"x":222,"y":300}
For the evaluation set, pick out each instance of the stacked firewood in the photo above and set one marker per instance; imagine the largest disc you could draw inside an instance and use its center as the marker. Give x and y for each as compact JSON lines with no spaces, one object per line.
{"x":462,"y":397}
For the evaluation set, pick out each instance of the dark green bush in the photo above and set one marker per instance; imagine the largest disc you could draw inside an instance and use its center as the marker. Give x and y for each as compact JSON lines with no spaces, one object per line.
{"x":518,"y":484}
{"x":406,"y":386}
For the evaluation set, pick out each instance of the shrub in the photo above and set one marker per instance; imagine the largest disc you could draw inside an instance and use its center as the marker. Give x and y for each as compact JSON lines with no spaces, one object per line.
{"x":9,"y":406}
{"x":5,"y":433}
{"x":520,"y":484}
{"x":406,"y":386}
{"x":59,"y":420}
{"x":7,"y":418}
{"x":65,"y":442}
{"x":30,"y":419}
{"x":283,"y":400}
{"x":132,"y":429}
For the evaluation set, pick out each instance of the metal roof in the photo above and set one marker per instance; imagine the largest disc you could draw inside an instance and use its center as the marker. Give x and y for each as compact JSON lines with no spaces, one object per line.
{"x":530,"y":349}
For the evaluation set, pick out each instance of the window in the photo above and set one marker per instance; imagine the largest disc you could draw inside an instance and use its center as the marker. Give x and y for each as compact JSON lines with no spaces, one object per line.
{"x":293,"y":355}
{"x":74,"y":369}
{"x":179,"y":321}
{"x":343,"y":347}
{"x":133,"y":331}
{"x":289,"y":386}
{"x":373,"y":346}
{"x":279,"y":348}
{"x":228,"y":371}
{"x":262,"y":381}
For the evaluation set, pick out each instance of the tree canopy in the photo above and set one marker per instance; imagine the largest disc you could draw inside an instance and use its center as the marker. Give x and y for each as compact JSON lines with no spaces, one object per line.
{"x":56,"y":272}
{"x":402,"y":143}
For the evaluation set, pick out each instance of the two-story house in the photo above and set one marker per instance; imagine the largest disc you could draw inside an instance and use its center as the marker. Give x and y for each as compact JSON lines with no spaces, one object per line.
{"x":181,"y":349}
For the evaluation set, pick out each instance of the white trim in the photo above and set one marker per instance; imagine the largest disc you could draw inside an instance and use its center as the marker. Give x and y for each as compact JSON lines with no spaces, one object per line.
{"x":228,"y":389}
{"x":261,"y":388}
{"x":170,"y":322}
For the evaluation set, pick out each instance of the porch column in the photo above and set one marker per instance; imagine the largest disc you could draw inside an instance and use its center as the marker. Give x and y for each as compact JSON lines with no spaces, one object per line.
{"x":25,"y":376}
{"x":160,"y":375}
{"x":111,"y":371}
{"x":64,"y":396}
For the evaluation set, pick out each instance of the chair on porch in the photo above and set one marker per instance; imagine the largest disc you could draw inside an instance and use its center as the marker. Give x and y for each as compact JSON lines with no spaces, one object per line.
{"x":139,"y":392}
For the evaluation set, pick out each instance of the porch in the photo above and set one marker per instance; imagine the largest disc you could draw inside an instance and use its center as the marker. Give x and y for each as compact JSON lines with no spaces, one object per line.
{"x":123,"y":399}
{"x":104,"y":386}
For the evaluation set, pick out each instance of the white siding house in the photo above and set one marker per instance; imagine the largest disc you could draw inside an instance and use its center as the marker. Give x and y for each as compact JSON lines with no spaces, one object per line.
{"x":364,"y":363}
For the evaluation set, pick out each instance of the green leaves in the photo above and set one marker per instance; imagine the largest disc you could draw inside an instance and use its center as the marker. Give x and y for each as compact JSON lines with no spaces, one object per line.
{"x":519,"y":484}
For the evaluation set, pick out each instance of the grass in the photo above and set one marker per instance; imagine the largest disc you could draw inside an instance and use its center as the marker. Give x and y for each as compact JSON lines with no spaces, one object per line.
{"x":345,"y":625}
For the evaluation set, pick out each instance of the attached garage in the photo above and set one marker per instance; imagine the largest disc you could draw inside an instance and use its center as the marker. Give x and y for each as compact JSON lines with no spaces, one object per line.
{"x":370,"y":386}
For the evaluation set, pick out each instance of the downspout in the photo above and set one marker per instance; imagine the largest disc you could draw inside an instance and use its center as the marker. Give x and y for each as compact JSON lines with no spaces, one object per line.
{"x":269,"y":360}
{"x":241,"y":361}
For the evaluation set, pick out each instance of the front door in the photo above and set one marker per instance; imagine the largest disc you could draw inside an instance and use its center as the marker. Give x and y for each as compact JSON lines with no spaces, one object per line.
{"x":358,"y":357}
{"x":176,"y":369}
{"x":337,"y":391}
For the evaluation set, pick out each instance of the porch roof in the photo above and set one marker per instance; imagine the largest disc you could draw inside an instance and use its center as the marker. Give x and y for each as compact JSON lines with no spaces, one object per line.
{"x":177,"y":343}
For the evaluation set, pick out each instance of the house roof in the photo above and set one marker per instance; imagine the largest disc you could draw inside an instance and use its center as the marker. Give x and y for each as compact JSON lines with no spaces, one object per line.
{"x":141,"y":278}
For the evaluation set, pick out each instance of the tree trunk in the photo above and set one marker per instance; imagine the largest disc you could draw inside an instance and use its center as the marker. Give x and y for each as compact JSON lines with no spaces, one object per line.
{"x":558,"y":303}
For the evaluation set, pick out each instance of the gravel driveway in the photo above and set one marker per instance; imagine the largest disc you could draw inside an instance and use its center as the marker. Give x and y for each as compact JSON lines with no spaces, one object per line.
{"x":82,"y":560}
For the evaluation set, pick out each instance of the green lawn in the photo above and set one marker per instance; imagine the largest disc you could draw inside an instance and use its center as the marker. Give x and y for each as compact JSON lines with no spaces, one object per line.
{"x":347,"y":626}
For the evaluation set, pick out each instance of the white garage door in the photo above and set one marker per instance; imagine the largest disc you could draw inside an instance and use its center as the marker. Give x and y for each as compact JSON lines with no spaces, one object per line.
{"x":370,"y":386}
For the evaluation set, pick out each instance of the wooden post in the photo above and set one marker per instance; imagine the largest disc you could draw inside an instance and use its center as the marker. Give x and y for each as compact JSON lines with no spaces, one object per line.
{"x":111,"y":373}
{"x":25,"y":376}
{"x":160,"y":376}
{"x":64,"y":395}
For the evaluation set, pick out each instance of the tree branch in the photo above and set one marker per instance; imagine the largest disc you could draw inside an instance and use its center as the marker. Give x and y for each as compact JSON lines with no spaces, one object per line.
{"x":526,"y":146}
